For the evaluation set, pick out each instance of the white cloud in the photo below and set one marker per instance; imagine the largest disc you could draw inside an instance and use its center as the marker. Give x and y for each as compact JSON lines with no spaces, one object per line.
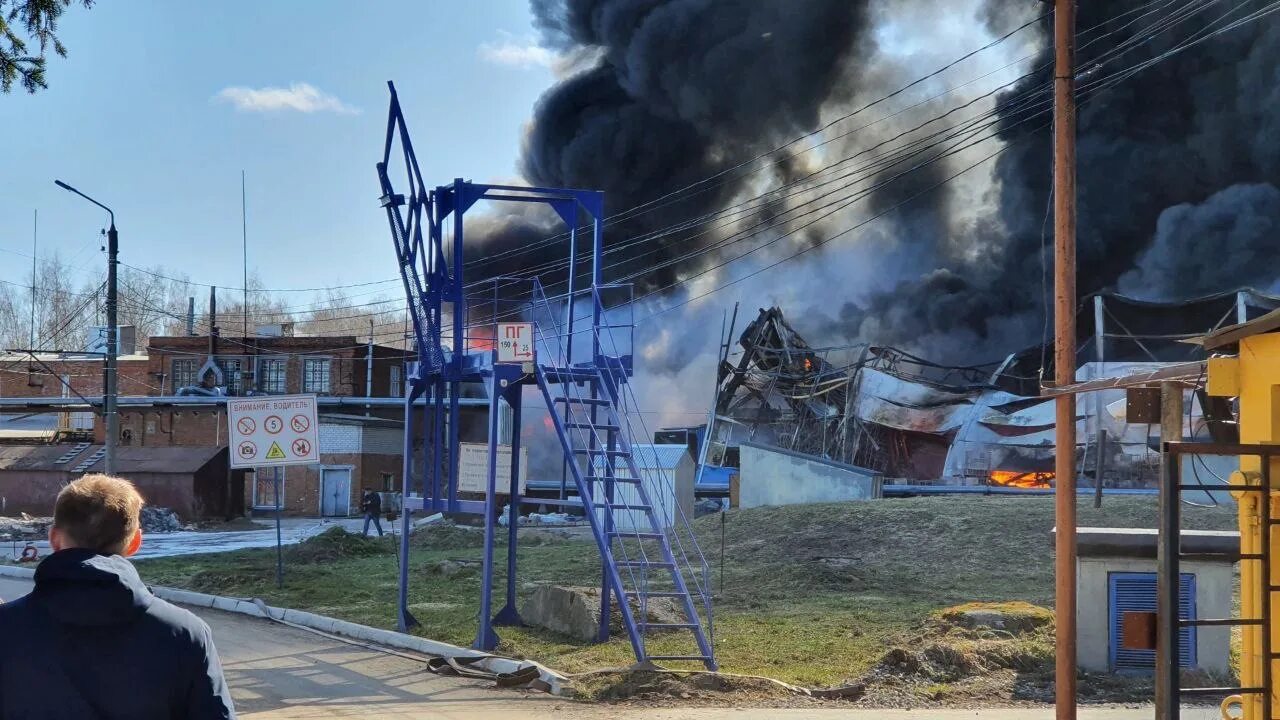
{"x":299,"y":97}
{"x":516,"y":53}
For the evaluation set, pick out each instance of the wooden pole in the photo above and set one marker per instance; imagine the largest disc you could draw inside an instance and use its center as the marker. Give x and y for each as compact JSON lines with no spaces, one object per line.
{"x":1064,"y":243}
{"x":1166,"y":601}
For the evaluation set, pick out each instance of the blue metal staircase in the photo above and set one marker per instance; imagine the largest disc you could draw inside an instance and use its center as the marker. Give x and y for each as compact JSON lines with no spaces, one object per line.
{"x":647,"y":546}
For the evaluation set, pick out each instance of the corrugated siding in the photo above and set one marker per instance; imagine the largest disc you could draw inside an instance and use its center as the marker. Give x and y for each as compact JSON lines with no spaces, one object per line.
{"x":650,"y":457}
{"x":383,"y":441}
{"x":339,"y":438}
{"x":1136,"y":592}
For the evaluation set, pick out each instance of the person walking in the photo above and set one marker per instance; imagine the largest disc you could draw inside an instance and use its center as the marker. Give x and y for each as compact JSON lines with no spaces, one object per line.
{"x":91,"y":642}
{"x":371,"y":504}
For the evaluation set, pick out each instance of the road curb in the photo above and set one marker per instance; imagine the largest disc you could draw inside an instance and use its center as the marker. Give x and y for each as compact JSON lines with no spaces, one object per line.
{"x":557,"y":683}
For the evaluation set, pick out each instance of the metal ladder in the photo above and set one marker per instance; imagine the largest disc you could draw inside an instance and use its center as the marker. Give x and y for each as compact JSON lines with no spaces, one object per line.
{"x":638,"y":536}
{"x":633,"y":539}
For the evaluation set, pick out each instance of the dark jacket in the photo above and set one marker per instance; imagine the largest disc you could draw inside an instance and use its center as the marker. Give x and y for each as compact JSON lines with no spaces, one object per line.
{"x":371,"y":503}
{"x":92,"y":643}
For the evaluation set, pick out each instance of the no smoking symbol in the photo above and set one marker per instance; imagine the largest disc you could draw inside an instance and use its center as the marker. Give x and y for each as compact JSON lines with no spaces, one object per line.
{"x":273,"y":424}
{"x":248,"y":450}
{"x":301,"y":447}
{"x":300,"y":423}
{"x":246,"y":426}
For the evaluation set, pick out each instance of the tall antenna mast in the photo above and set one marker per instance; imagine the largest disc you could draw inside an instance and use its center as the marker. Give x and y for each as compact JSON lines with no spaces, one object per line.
{"x":244,"y":241}
{"x":35,"y":234}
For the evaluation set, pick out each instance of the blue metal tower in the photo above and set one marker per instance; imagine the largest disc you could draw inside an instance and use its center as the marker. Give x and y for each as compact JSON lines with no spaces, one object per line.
{"x":647,"y":547}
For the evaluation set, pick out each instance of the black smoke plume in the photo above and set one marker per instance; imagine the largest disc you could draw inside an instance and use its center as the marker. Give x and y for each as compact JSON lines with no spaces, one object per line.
{"x":1176,"y":168}
{"x":675,"y":91}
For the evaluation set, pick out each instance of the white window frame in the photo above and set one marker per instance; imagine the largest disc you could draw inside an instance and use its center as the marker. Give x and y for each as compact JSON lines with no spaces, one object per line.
{"x":328,"y":374}
{"x":174,"y":386}
{"x":396,"y":388}
{"x":262,"y":376}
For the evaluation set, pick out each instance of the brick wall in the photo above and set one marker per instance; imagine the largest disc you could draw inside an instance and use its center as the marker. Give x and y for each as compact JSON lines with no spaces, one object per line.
{"x":28,"y":378}
{"x":347,"y":357}
{"x":186,"y":427}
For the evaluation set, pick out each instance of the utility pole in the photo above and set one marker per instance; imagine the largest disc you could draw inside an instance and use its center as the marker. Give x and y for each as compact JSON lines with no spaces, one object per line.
{"x":109,"y":391}
{"x":1171,"y":417}
{"x":113,"y":348}
{"x":1064,"y":347}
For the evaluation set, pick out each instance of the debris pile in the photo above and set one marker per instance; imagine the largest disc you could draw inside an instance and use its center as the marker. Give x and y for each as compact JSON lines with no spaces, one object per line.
{"x":160,"y":520}
{"x":24,"y":527}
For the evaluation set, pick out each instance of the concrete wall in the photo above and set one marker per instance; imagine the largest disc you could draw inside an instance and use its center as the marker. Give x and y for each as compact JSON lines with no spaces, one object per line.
{"x":1214,"y":588}
{"x":773,"y":476}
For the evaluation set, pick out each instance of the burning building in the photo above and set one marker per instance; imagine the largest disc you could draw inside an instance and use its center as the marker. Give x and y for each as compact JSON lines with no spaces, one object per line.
{"x":918,"y":421}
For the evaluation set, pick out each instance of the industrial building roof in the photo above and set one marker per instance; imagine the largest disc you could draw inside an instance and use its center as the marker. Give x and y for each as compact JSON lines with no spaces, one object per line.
{"x":44,"y":458}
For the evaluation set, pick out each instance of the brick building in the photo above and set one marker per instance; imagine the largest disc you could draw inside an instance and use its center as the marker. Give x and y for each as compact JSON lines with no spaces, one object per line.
{"x":172,"y":401}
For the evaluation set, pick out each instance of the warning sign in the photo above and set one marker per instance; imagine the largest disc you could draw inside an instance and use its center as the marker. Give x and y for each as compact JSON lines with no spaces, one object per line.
{"x":268,"y":431}
{"x":515,"y":342}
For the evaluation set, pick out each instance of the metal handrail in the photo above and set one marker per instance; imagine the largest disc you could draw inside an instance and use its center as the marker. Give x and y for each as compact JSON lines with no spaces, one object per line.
{"x":702,"y":584}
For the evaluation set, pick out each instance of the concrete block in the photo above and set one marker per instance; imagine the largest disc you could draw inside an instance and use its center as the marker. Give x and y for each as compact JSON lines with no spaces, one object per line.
{"x":575,"y":612}
{"x":564,"y":611}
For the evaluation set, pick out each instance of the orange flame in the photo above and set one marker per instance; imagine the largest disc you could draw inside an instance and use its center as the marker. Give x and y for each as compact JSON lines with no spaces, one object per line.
{"x":1020,"y":479}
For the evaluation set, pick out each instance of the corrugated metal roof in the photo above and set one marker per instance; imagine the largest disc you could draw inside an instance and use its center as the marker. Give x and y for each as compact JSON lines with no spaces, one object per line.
{"x":179,"y":460}
{"x":29,"y":435}
{"x":653,"y":457}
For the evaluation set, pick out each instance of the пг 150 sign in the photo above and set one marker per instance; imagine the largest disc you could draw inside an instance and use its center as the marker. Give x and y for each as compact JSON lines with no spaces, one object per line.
{"x":515,"y":342}
{"x":267,"y":431}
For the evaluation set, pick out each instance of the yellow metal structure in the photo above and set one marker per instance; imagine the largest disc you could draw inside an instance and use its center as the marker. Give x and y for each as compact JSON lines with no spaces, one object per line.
{"x":1254,"y":377}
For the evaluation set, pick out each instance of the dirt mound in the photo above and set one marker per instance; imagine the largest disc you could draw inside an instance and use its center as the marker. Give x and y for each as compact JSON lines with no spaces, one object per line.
{"x":447,"y":536}
{"x":655,"y":688}
{"x":971,"y":651}
{"x":1016,"y":618}
{"x":337,"y":544}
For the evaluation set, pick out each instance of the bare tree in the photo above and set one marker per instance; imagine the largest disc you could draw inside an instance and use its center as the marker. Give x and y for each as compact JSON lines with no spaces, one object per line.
{"x":337,"y":313}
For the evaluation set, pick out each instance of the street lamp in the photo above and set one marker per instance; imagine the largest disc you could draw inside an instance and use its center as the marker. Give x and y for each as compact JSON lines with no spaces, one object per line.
{"x":110,"y":393}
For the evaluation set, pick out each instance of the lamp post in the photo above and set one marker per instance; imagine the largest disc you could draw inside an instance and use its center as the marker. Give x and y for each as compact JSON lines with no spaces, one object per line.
{"x":110,"y":393}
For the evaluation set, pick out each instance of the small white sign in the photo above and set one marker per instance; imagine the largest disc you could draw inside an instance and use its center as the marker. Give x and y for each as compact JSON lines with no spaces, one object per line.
{"x":473,"y":468}
{"x":270,"y":431}
{"x":515,"y":342}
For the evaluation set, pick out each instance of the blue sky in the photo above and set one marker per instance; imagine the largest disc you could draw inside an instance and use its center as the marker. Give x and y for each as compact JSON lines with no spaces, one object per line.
{"x":160,"y":105}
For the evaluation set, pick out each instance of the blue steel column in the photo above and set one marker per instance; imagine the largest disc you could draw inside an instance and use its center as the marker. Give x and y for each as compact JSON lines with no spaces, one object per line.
{"x":509,"y":616}
{"x":460,"y":204}
{"x":597,"y":256}
{"x":437,"y":451}
{"x":486,"y":639}
{"x":606,"y":610}
{"x":404,"y":619}
{"x":567,"y":361}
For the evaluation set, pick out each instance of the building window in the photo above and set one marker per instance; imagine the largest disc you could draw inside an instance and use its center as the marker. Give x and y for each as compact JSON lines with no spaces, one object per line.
{"x":232,"y":377}
{"x":397,"y":384}
{"x":271,"y":377}
{"x":183,"y":373}
{"x":264,"y":487}
{"x":315,"y":376}
{"x":387,"y":481}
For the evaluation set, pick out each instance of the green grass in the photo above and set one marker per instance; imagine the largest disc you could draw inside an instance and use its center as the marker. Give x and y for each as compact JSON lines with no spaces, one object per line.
{"x":812,"y":595}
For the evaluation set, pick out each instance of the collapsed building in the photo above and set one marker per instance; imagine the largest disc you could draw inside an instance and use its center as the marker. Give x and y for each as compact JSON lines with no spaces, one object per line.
{"x":917,"y":421}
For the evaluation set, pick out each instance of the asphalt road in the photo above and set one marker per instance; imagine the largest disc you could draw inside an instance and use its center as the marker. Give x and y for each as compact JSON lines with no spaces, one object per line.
{"x":280,"y":673}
